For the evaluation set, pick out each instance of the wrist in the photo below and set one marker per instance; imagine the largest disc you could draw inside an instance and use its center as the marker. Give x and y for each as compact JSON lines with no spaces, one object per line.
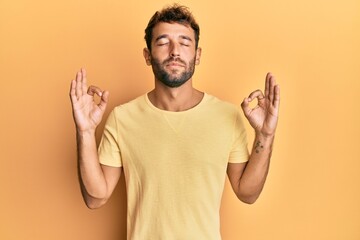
{"x":263,"y":142}
{"x":264,"y":137}
{"x":85,"y":132}
{"x":261,"y":152}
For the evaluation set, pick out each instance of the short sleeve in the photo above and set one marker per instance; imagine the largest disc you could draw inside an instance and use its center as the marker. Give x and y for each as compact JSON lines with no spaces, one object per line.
{"x":239,"y":151}
{"x":109,"y":150}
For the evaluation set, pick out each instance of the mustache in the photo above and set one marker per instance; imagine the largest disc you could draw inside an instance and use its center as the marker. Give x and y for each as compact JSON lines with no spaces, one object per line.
{"x":172,"y":59}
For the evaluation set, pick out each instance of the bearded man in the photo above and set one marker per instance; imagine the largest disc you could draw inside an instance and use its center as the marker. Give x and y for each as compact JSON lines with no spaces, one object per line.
{"x":175,"y":144}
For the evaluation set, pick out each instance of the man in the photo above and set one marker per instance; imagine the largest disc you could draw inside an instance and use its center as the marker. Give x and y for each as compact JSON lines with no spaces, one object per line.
{"x":174,"y":144}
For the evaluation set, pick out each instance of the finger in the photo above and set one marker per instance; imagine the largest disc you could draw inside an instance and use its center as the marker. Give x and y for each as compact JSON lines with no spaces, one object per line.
{"x":276,"y":102}
{"x":267,"y":84}
{"x":256,"y":94}
{"x":245,"y":106}
{"x":94,"y":90}
{"x":84,"y":80}
{"x":73,"y":91}
{"x":79,"y":91}
{"x":272,"y":83}
{"x":104,"y":100}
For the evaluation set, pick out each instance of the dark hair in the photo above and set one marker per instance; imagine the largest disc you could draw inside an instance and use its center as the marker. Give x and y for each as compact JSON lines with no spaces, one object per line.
{"x":172,"y":14}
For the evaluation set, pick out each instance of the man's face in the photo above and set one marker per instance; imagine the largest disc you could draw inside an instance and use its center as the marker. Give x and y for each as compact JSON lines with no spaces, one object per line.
{"x":173,"y":55}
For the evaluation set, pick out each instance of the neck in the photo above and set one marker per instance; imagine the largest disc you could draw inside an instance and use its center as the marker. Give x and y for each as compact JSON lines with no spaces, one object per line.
{"x":175,"y":99}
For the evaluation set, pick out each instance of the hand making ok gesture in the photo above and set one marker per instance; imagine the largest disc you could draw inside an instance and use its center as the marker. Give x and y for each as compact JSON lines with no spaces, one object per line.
{"x":264,"y":116}
{"x":87,"y":113}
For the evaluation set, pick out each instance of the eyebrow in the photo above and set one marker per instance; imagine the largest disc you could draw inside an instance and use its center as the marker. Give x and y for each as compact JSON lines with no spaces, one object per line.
{"x":166,"y":36}
{"x":161,"y":36}
{"x":186,"y":38}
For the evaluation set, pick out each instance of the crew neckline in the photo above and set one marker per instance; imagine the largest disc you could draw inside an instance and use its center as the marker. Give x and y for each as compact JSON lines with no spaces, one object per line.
{"x":152,"y":106}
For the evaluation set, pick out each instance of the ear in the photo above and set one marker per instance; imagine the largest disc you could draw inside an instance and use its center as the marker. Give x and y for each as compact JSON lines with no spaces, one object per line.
{"x":198,"y":55}
{"x":147,"y":56}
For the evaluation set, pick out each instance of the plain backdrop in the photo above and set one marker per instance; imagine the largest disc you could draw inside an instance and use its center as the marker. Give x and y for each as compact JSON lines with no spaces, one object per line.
{"x":312,"y":47}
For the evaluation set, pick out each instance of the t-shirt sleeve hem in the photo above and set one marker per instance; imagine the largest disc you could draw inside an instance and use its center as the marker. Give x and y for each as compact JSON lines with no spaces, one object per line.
{"x":109,"y":163}
{"x":238,"y":161}
{"x":241,"y":158}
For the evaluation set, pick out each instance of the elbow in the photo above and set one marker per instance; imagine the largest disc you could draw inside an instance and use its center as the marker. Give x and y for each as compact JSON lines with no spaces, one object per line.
{"x":248,"y":195}
{"x":92,"y":206}
{"x":248,"y":198}
{"x":92,"y":200}
{"x":94,"y":203}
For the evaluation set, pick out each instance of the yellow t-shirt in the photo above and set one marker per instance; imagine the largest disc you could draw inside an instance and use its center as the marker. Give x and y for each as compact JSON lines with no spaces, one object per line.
{"x":174,"y":165}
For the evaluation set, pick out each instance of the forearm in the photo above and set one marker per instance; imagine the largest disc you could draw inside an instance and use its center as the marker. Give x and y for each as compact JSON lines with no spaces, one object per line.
{"x":91,"y":176}
{"x":253,"y":178}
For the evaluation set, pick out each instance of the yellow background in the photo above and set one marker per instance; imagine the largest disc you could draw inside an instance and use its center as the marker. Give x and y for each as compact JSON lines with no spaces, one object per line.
{"x":312,"y":46}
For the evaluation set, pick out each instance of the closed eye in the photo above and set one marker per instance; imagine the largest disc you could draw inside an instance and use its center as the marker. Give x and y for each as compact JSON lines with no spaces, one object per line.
{"x":162,"y":40}
{"x":185,"y":41}
{"x":163,"y":44}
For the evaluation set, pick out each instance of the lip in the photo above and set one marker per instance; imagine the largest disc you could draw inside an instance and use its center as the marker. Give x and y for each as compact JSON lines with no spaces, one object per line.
{"x":175,"y":64}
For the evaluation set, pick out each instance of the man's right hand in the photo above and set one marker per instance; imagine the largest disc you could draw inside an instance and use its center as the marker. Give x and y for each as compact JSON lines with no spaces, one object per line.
{"x":87,"y":113}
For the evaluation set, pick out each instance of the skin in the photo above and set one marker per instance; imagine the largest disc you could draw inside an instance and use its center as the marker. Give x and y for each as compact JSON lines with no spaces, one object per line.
{"x":248,"y":179}
{"x":177,"y":42}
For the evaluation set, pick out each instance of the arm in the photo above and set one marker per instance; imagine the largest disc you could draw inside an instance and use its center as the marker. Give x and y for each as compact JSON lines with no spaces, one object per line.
{"x":97,"y":181}
{"x":248,"y":179}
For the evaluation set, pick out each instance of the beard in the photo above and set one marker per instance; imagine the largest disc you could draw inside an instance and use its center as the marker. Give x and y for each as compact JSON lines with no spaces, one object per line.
{"x":172,"y":78}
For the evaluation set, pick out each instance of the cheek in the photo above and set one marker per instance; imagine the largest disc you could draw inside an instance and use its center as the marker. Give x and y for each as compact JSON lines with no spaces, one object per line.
{"x":160,"y":55}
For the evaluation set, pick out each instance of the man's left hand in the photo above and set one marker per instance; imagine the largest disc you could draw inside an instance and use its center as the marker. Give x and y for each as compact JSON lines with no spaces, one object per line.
{"x":264,"y":116}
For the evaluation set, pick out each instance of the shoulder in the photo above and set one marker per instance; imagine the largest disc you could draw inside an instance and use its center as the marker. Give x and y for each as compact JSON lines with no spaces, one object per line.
{"x":218,"y":104}
{"x":130,"y":106}
{"x":131,"y":112}
{"x":219,"y":111}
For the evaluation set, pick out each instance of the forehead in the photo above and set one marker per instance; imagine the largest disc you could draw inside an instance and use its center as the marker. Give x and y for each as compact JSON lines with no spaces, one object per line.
{"x":172,"y":30}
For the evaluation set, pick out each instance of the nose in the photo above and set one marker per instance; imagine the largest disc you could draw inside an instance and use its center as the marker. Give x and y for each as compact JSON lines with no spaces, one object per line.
{"x":174,"y":50}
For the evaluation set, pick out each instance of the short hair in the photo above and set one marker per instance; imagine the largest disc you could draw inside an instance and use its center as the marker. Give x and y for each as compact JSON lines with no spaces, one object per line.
{"x":172,"y":14}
